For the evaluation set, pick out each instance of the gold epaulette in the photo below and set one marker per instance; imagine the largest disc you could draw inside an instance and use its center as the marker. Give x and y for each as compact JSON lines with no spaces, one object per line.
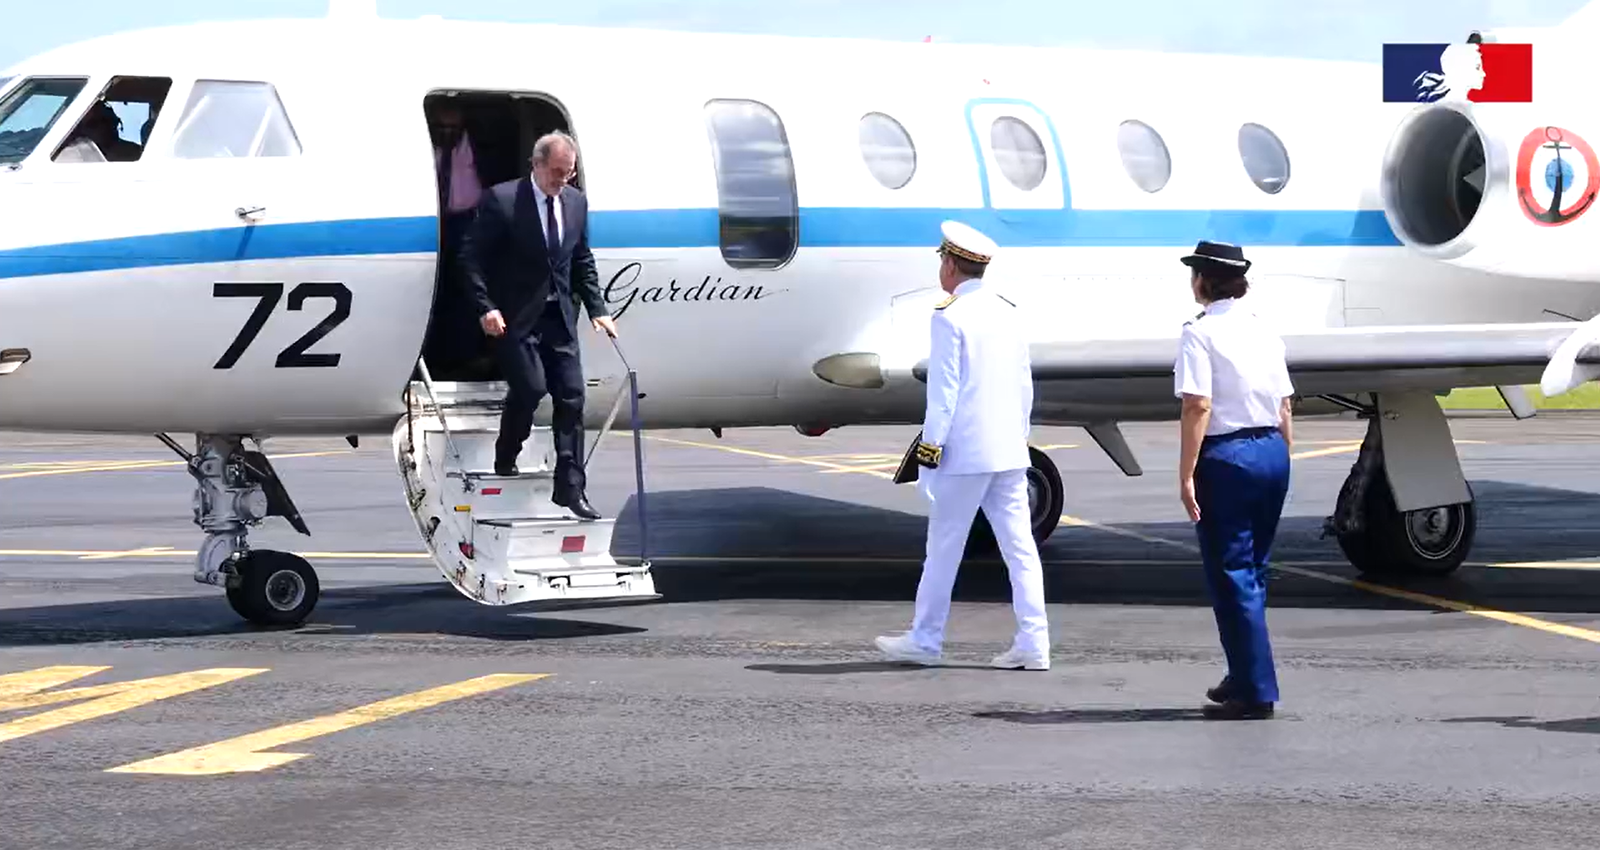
{"x":946,"y":302}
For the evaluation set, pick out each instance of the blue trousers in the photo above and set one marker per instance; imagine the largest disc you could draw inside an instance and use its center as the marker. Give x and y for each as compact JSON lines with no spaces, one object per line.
{"x":1241,"y":480}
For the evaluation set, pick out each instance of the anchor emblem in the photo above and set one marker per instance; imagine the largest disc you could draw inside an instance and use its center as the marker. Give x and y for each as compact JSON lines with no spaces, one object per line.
{"x":1558,"y":174}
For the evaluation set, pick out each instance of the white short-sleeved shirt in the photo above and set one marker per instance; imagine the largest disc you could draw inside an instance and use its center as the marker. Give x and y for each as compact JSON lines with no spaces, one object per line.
{"x":1232,"y":357}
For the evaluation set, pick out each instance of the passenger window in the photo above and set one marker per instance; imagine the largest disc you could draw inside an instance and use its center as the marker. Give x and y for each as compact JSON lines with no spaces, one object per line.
{"x":28,"y":113}
{"x":232,"y":119}
{"x":1265,"y":158}
{"x":116,"y":126}
{"x":758,"y":205}
{"x":1019,"y":152}
{"x":886,"y":147}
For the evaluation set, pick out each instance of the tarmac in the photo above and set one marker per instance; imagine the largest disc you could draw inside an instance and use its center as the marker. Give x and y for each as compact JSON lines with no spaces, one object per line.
{"x":748,"y":708}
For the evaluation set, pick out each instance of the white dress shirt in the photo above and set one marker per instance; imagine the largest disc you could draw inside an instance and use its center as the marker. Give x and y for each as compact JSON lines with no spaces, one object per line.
{"x":544,"y":214}
{"x":1232,"y":357}
{"x":980,"y":384}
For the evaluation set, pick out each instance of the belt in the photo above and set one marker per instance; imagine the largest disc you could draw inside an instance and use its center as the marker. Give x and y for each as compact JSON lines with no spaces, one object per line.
{"x":1242,"y":433}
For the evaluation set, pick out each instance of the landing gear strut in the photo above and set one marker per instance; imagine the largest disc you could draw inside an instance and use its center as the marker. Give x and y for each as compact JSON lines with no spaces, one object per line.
{"x":1378,"y":538}
{"x":235,"y":489}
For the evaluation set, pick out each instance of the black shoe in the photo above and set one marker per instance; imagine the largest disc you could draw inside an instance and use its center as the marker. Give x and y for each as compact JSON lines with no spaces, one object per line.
{"x":579,"y":505}
{"x":1238,"y":709}
{"x":1219,"y":693}
{"x":508,"y":470}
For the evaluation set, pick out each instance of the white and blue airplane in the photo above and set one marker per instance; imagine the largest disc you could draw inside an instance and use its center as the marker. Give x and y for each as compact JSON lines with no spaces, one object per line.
{"x":257,"y":254}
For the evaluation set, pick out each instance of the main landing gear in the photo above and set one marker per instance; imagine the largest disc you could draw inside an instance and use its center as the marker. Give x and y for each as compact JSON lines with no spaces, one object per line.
{"x":235,"y":489}
{"x":1434,"y":537}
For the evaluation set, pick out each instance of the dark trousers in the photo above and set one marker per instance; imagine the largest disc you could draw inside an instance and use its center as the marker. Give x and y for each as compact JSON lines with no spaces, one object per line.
{"x":544,"y":363}
{"x":1241,"y":480}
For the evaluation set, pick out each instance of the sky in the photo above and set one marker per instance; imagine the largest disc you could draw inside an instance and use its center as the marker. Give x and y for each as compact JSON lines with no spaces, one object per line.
{"x":1321,"y":29}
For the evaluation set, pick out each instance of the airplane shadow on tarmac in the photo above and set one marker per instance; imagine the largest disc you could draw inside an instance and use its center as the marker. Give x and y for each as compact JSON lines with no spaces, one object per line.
{"x":761,"y":543}
{"x":771,"y":544}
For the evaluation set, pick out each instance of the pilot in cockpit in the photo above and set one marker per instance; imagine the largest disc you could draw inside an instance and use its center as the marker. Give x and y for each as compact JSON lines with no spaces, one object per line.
{"x":98,"y":139}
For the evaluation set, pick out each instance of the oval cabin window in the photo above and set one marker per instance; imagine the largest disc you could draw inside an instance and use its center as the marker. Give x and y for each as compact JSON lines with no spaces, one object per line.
{"x":1018,"y":151}
{"x":1265,"y":158}
{"x":887,"y":150}
{"x":1144,"y":155}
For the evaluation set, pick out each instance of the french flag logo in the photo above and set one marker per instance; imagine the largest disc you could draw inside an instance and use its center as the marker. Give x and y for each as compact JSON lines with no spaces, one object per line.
{"x":1472,"y":71}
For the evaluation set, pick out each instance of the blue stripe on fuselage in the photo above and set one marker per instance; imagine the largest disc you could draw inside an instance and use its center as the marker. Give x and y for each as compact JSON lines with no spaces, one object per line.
{"x":820,"y":227}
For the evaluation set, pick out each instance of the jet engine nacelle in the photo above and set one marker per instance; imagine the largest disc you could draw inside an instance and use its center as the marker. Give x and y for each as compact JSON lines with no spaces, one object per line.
{"x":1475,"y":185}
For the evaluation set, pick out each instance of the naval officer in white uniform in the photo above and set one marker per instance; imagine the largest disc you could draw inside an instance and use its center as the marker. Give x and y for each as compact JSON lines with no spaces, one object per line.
{"x":973,"y":452}
{"x":1233,"y":467}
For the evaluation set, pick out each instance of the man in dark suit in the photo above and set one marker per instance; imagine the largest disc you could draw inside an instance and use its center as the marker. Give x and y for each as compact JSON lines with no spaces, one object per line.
{"x":526,"y":263}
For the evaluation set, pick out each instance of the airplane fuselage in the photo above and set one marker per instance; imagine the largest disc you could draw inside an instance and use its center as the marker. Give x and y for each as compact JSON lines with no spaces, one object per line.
{"x":200,"y":290}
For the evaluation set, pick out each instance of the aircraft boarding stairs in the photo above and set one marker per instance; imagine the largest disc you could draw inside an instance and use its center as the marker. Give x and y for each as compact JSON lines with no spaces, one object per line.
{"x":498,"y":539}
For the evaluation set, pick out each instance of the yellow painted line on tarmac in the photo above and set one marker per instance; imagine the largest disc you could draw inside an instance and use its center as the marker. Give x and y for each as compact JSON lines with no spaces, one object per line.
{"x":245,"y":753}
{"x":130,"y":553}
{"x":1544,"y":565}
{"x":837,"y":467}
{"x":76,"y":467}
{"x":1450,"y":604}
{"x":1123,"y":532}
{"x":1347,"y":448}
{"x":1383,"y":590}
{"x":169,"y":552}
{"x":30,"y":690}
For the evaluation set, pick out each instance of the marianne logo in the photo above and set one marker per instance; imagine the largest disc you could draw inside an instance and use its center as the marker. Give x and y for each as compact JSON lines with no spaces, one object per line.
{"x":1470,"y":71}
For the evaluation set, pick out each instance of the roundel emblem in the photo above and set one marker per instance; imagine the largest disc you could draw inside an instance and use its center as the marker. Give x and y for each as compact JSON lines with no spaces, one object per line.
{"x":1558,"y":176}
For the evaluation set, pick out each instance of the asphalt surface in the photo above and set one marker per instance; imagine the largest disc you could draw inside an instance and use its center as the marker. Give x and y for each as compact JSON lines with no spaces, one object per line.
{"x":748,"y":709}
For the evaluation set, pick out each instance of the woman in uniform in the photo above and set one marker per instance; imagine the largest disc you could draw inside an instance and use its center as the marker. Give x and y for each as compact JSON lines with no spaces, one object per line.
{"x":1233,"y":470}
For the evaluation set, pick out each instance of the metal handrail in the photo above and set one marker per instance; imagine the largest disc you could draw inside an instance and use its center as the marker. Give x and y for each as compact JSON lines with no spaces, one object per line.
{"x":438,"y":409}
{"x":632,"y":390}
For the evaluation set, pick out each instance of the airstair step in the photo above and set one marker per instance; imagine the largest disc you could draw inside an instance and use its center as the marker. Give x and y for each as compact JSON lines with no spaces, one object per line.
{"x":549,"y":520}
{"x":491,"y":475}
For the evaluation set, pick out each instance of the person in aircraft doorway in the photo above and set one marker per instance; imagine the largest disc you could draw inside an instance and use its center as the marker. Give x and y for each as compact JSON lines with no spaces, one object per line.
{"x":460,"y":182}
{"x":1233,"y":467}
{"x":527,"y":264}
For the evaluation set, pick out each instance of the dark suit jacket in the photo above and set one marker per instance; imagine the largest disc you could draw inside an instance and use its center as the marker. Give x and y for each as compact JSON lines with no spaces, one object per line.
{"x":506,"y":265}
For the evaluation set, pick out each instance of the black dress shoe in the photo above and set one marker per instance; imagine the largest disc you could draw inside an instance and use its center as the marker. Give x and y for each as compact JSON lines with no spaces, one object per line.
{"x":508,"y":470}
{"x":1238,"y":709}
{"x":1220,"y":692}
{"x":579,"y":505}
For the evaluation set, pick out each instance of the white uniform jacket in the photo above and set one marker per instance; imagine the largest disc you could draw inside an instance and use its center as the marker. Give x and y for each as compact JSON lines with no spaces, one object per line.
{"x":980,"y":385}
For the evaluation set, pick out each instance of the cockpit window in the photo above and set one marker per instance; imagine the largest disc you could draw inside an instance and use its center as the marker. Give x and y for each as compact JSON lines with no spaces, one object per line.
{"x":234,"y":119}
{"x":28,"y":113}
{"x":116,"y":127}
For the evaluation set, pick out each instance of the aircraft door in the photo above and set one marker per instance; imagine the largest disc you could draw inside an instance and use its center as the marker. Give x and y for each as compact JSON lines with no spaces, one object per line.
{"x":1019,"y":157}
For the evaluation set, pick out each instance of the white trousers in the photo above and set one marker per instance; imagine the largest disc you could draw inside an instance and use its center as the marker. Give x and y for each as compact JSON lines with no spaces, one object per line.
{"x":955,"y":500}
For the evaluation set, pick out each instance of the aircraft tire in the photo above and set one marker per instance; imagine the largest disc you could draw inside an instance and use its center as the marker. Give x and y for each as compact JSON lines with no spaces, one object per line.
{"x":1046,"y":500}
{"x":1430,"y":542}
{"x":275,"y":588}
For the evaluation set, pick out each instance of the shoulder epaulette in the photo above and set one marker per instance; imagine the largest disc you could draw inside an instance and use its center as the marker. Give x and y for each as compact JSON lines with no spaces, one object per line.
{"x":945,"y":303}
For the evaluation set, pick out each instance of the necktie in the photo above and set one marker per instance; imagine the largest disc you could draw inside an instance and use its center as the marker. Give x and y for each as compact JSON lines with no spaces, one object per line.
{"x":552,"y":235}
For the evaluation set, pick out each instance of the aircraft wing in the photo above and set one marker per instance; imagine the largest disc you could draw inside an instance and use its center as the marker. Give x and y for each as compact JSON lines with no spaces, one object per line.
{"x":1557,"y":355}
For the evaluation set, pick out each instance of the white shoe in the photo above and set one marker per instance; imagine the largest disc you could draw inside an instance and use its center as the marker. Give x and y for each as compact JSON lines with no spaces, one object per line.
{"x":902,"y":648}
{"x":1014,"y":658}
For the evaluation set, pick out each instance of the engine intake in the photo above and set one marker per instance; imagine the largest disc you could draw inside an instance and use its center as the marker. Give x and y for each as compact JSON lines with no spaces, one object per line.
{"x":1435,"y":174}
